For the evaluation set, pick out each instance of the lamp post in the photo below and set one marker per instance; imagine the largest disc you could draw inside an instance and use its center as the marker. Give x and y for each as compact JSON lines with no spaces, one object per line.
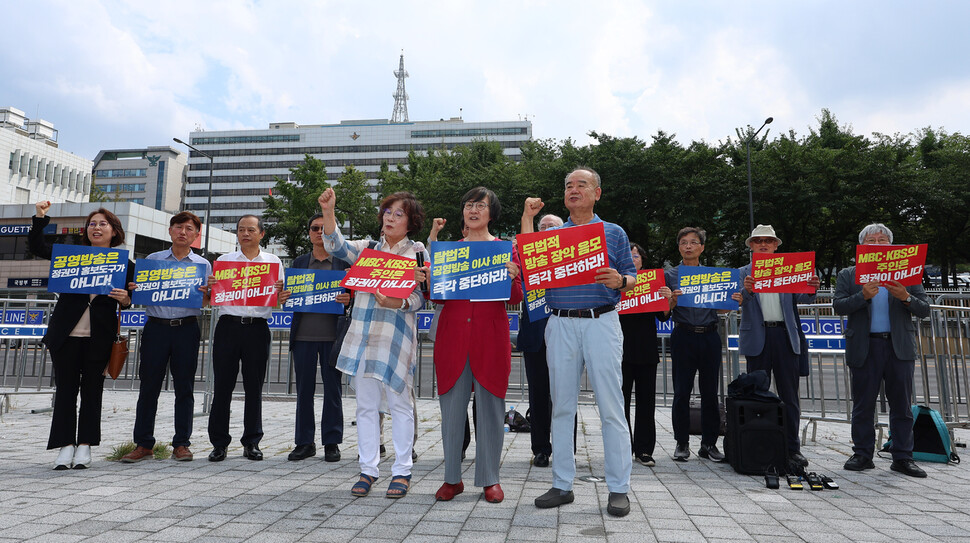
{"x":747,"y":145}
{"x":208,"y":205}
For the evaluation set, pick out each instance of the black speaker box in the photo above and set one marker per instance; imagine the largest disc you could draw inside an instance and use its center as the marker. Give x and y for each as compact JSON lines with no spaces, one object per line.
{"x":755,"y":436}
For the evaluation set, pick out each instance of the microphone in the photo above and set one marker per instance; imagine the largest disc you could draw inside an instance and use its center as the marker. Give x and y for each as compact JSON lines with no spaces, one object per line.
{"x":419,"y":256}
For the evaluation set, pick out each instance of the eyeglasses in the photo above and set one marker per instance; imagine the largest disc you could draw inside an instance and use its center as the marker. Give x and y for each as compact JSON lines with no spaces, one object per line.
{"x":636,"y":256}
{"x":689,"y":243}
{"x":247,"y":230}
{"x":398,"y":214}
{"x":316,"y":228}
{"x":759,"y":241}
{"x":480,"y":206}
{"x":102,"y":224}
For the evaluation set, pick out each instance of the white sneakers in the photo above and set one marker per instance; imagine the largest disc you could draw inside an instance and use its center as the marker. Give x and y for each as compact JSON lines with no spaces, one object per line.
{"x":79,"y":458}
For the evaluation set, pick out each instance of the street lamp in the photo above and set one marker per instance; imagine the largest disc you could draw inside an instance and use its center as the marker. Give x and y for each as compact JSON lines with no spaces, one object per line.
{"x":747,"y":145}
{"x":208,"y":205}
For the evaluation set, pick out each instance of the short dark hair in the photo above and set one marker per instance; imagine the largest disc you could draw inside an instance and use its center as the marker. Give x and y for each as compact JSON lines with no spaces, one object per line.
{"x":412,"y":208}
{"x":259,"y":221}
{"x":186,"y":216}
{"x":315,"y":216}
{"x":117,"y":231}
{"x":636,"y":247}
{"x":478,"y":194}
{"x":699,"y":232}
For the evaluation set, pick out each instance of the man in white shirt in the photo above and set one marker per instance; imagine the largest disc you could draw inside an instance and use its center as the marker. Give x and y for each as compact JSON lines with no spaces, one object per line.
{"x":242,"y":336}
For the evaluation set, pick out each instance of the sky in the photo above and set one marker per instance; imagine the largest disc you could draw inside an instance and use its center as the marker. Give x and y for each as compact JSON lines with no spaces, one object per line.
{"x":112,"y":74}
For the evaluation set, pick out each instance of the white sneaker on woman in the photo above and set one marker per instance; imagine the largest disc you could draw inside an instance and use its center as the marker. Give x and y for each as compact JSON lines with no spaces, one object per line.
{"x":64,"y":458}
{"x":82,"y":457}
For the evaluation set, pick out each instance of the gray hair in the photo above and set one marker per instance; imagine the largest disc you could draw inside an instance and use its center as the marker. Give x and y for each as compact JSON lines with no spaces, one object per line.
{"x":558,"y":219}
{"x":587,"y":169}
{"x":875,"y":228}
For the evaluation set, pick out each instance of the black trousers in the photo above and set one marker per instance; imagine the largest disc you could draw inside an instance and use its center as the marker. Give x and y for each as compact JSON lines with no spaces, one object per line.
{"x":234,"y":343}
{"x":882,"y":366}
{"x":307,"y":357}
{"x":642,"y":379}
{"x":540,"y":402}
{"x":162,"y":348}
{"x":77,"y":369}
{"x":694,"y":354}
{"x":781,"y":363}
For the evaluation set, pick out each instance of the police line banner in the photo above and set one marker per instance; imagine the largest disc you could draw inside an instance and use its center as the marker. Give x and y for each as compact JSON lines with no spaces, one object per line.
{"x":169,"y":283}
{"x":783,"y":272}
{"x":709,"y":288}
{"x":82,"y":269}
{"x":563,"y":257}
{"x":244,"y":283}
{"x":903,"y":263}
{"x":376,"y":270}
{"x":470,"y":270}
{"x":314,"y":291}
{"x":535,"y":305}
{"x":645,"y":296}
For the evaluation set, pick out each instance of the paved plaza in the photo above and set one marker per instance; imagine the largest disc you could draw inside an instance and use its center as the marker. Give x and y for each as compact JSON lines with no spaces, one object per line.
{"x":279,"y":500}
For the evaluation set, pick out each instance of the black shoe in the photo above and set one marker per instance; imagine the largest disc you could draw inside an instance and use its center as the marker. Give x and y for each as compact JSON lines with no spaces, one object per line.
{"x":414,"y":456}
{"x":857,"y":462}
{"x":383,"y":450}
{"x":252,"y":452}
{"x":906,"y":466}
{"x":797,"y":458}
{"x":554,"y":498}
{"x":645,"y":459}
{"x":218,"y":454}
{"x":711,"y":453}
{"x":541,"y":460}
{"x":682,"y":452}
{"x":301,"y":452}
{"x":618,"y":505}
{"x":331,"y":453}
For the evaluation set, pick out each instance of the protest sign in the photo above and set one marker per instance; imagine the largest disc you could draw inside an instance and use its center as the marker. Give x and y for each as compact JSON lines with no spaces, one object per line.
{"x":563,"y":257}
{"x":535,"y":305}
{"x":462,"y":270}
{"x":314,"y":291}
{"x":244,"y":283}
{"x":645,"y":296}
{"x":783,"y":272}
{"x":376,"y":270}
{"x":884,"y":263}
{"x":169,"y":283}
{"x":82,"y":269}
{"x":706,"y":287}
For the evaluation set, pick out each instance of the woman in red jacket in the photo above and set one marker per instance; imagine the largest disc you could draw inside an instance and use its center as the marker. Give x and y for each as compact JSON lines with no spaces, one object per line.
{"x":473,"y":351}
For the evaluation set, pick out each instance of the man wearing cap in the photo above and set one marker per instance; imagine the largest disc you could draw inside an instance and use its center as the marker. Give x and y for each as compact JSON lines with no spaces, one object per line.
{"x":584,"y":330}
{"x":880,"y":347}
{"x":769,"y":337}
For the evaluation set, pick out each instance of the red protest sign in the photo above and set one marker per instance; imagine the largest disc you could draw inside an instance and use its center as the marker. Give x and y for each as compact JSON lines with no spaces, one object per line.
{"x":244,"y":283}
{"x":645,"y":297}
{"x":393,"y":275}
{"x":783,"y":272}
{"x":563,"y":257}
{"x":884,"y":263}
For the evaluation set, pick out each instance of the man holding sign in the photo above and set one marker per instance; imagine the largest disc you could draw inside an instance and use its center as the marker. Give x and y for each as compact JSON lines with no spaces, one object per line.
{"x":768,"y":337}
{"x":880,"y":348}
{"x":584,"y":330}
{"x":171,"y":336}
{"x":242,"y":337}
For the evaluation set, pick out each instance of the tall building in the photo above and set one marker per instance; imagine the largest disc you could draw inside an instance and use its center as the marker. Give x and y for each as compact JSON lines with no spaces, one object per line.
{"x":153,"y":177}
{"x":36,"y":168}
{"x":247,"y":162}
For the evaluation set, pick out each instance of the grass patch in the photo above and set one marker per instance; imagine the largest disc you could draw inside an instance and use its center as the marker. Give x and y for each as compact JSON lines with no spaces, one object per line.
{"x":161,"y":451}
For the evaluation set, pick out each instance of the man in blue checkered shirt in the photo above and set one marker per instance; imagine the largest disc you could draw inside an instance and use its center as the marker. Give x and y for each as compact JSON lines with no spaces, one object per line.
{"x":584,"y":330}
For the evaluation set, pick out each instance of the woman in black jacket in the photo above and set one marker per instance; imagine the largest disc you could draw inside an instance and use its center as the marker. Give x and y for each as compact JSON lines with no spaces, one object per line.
{"x":79,"y":335}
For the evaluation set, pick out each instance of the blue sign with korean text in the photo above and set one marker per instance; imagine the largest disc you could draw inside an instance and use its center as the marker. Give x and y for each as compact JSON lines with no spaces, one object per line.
{"x":462,"y":270}
{"x":314,"y":291}
{"x":535,"y":304}
{"x":26,"y":282}
{"x":169,"y":283}
{"x":81,"y":269}
{"x":706,"y":287}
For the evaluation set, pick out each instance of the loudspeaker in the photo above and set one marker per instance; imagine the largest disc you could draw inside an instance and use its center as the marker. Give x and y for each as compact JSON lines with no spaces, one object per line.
{"x":755,"y":436}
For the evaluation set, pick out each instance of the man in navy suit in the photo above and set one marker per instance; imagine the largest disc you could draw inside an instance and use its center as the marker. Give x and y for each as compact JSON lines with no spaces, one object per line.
{"x":880,"y":347}
{"x":769,"y":337}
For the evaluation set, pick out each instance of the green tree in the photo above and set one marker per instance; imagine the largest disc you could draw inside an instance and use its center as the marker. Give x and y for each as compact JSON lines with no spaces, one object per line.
{"x":292,"y":202}
{"x":355,"y":205}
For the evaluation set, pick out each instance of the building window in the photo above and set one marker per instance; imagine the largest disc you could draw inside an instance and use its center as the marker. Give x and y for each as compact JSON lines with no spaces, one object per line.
{"x":245,"y":139}
{"x":160,"y":185}
{"x":142,"y":172}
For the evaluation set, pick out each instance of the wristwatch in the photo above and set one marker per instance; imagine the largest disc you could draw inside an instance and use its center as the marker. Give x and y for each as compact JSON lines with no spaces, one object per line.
{"x":908,"y":299}
{"x":623,"y":283}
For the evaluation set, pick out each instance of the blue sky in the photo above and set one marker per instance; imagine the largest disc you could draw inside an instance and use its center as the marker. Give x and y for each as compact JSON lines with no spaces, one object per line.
{"x":115,"y":74}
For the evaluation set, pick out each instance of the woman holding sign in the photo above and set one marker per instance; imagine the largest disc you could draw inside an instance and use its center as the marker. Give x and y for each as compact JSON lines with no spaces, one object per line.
{"x":472,"y":351}
{"x":640,"y":360}
{"x":380,"y":347}
{"x":79,"y":335}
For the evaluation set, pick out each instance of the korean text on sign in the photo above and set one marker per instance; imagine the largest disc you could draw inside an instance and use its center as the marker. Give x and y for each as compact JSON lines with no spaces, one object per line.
{"x":884,"y":263}
{"x":563,"y":257}
{"x":709,"y":288}
{"x":376,"y":270}
{"x":314,"y":291}
{"x":475,"y":270}
{"x":244,"y":283}
{"x":783,"y":272}
{"x":86,"y":270}
{"x":645,"y":296}
{"x":169,"y":283}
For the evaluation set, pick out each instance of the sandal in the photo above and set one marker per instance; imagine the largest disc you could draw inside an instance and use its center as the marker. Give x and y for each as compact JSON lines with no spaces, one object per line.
{"x":399,"y":486}
{"x":362,"y":487}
